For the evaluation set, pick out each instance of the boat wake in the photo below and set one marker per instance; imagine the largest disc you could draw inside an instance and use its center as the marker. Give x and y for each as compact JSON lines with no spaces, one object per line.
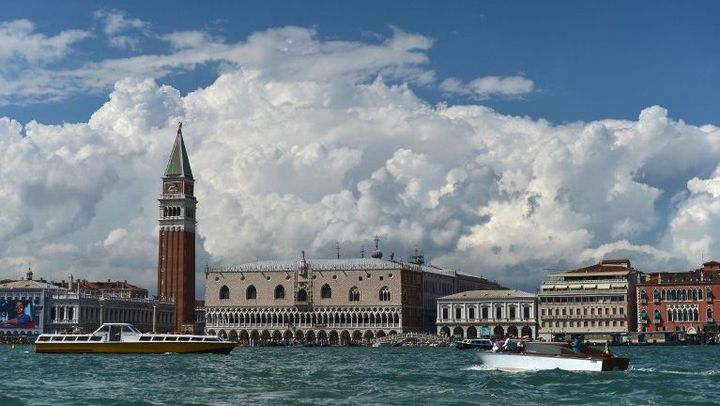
{"x":710,"y":372}
{"x":480,"y":367}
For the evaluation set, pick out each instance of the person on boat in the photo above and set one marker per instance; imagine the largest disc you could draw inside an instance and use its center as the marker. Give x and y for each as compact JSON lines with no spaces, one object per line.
{"x":495,"y":347}
{"x":506,"y":344}
{"x":576,"y":344}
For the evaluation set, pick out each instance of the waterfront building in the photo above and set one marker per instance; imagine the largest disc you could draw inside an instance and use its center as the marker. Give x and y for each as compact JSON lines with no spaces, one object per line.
{"x":68,"y":310}
{"x":680,"y":301}
{"x":22,"y":304}
{"x":336,"y":301}
{"x":486,"y":313}
{"x":31,"y":307}
{"x":176,"y":248}
{"x":597,"y":301}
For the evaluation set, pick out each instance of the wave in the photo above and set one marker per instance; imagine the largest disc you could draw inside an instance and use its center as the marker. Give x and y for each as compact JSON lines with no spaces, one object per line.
{"x":709,"y":372}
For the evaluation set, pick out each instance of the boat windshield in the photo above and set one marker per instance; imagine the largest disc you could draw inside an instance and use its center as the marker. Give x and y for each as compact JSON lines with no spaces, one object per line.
{"x":130,"y":330}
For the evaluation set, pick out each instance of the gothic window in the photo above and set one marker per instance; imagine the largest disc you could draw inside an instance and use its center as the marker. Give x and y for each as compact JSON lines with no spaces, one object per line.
{"x":709,"y":314}
{"x":326,"y":292}
{"x":279,"y":292}
{"x":302,"y":295}
{"x":224,"y":293}
{"x":385,"y":294}
{"x":354,"y":294}
{"x":251,"y":293}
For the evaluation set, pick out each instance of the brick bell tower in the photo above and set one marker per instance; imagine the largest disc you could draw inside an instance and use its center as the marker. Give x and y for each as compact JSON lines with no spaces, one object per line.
{"x":176,"y":251}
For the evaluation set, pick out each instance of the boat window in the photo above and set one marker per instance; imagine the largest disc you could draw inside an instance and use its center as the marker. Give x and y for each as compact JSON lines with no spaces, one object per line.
{"x":157,"y":338}
{"x":43,"y":338}
{"x":129,"y":329}
{"x":57,"y":338}
{"x":184,"y":338}
{"x":115,"y":333}
{"x":212,"y":339}
{"x":103,"y":329}
{"x":196,"y":339}
{"x":70,"y":338}
{"x":144,"y":338}
{"x":83,"y":338}
{"x":95,"y":338}
{"x":172,"y":338}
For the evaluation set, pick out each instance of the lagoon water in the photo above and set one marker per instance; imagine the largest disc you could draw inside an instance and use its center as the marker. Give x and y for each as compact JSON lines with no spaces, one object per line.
{"x":687,"y":375}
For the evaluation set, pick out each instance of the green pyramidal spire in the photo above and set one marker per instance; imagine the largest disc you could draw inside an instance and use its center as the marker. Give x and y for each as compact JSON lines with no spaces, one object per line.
{"x":179,"y":165}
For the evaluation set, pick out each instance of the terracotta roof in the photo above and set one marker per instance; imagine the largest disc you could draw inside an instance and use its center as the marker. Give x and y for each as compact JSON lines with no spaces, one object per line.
{"x":487,"y":294}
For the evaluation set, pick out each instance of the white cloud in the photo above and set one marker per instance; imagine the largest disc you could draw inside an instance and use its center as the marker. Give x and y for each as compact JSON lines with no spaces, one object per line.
{"x":121,"y":30}
{"x":305,"y":143}
{"x":489,"y":86}
{"x":20,"y":43}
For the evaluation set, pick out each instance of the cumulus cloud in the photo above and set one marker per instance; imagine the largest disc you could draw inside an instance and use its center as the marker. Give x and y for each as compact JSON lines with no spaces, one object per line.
{"x":308,"y":142}
{"x":20,"y":43}
{"x":489,"y":86}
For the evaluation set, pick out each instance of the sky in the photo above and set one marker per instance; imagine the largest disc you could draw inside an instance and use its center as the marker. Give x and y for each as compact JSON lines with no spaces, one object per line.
{"x":503,"y":139}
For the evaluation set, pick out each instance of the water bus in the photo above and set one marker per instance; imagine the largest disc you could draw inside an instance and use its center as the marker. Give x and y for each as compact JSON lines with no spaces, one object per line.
{"x":125,"y":338}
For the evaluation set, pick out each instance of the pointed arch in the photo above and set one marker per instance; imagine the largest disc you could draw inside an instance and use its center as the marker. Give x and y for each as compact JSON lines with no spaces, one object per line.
{"x":279,"y":292}
{"x":224,"y":292}
{"x":251,"y":293}
{"x":326,"y":292}
{"x":384,"y":294}
{"x":302,"y":295}
{"x":354,"y":294}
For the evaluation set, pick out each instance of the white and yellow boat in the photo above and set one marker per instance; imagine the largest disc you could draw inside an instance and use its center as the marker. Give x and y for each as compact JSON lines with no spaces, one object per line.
{"x":121,"y":338}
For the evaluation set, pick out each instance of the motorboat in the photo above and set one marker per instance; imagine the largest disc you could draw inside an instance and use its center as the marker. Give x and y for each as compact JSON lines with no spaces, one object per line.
{"x":125,"y":338}
{"x":481,"y":343}
{"x":523,"y":356}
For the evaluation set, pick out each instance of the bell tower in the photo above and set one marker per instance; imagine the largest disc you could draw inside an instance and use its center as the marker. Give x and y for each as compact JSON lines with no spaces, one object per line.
{"x":176,"y":249}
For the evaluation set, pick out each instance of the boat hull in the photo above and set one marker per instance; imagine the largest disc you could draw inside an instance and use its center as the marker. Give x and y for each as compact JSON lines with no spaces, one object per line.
{"x":136,"y":347}
{"x":529,"y":362}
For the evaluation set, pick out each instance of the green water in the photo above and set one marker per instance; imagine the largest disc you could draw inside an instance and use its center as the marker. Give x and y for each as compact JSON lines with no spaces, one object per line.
{"x":368,"y":376}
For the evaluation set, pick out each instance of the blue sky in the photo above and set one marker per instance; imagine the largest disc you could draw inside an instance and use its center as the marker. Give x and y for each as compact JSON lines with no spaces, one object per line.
{"x":588,"y":60}
{"x":503,"y":139}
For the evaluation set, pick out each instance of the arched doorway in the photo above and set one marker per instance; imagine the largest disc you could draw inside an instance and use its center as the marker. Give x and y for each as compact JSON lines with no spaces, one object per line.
{"x":265,"y":336}
{"x":233,"y":336}
{"x":498,"y":332}
{"x":357,"y":336}
{"x":287,"y":335}
{"x":310,"y":336}
{"x":458,"y":332}
{"x":380,"y":334}
{"x":211,"y":332}
{"x":512,"y":331}
{"x":471,"y":332}
{"x":345,"y":338}
{"x":299,"y":335}
{"x":277,"y":336}
{"x":222,"y":334}
{"x":334,"y":338}
{"x":243,"y":337}
{"x":392,"y":333}
{"x":445,"y":331}
{"x":527,"y":331}
{"x":369,"y":335}
{"x":254,"y":336}
{"x":322,"y":336}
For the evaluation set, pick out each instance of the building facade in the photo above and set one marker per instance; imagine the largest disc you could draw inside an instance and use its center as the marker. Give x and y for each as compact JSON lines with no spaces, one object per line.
{"x":596,"y":301}
{"x":176,"y":248}
{"x":30,"y":307}
{"x":334,"y":301}
{"x":488,"y":313}
{"x":680,"y":301}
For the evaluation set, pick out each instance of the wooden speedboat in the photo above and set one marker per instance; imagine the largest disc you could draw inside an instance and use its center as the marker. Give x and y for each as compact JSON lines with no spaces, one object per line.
{"x":476,"y":343}
{"x":125,"y":338}
{"x":525,"y":356}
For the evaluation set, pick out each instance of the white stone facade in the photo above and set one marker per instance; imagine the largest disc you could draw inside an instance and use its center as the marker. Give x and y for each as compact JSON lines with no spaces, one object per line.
{"x":496,"y":313}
